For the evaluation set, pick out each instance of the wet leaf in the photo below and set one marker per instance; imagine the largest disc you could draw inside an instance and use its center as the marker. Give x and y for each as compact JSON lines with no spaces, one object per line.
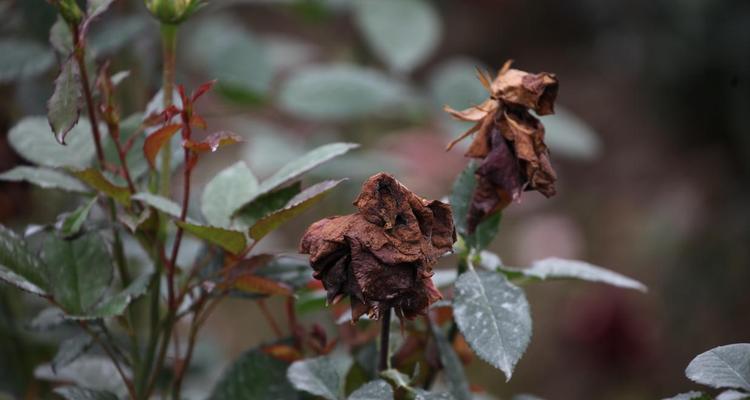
{"x":155,"y":141}
{"x":226,"y":192}
{"x":23,"y":59}
{"x":290,"y":270}
{"x":213,"y":142}
{"x":19,"y":266}
{"x":294,"y":207}
{"x":34,"y":140}
{"x":94,"y":178}
{"x":401,"y":32}
{"x":61,"y":37}
{"x":375,"y":390}
{"x":322,"y":376}
{"x":73,"y":223}
{"x":452,"y":367}
{"x":722,"y":367}
{"x":96,"y":373}
{"x":81,"y":270}
{"x":64,"y":107}
{"x":70,"y":349}
{"x":493,"y":316}
{"x":340,"y":92}
{"x":160,"y":203}
{"x":265,"y":204}
{"x":461,"y":196}
{"x":296,"y":168}
{"x":233,"y":56}
{"x":692,"y":395}
{"x":231,"y":241}
{"x":255,"y":375}
{"x":733,"y":395}
{"x":115,"y":305}
{"x":78,"y":393}
{"x":558,"y":268}
{"x":44,"y":178}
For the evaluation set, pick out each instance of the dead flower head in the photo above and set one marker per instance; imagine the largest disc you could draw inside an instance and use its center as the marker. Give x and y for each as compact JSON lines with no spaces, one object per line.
{"x":382,"y":255}
{"x":509,"y":140}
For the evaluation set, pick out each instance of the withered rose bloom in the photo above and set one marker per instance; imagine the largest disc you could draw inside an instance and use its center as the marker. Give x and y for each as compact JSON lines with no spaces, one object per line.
{"x":382,"y":255}
{"x":509,"y":140}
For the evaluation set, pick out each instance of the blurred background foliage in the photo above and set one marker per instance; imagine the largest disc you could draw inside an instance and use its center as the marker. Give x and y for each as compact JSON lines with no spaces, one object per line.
{"x":649,"y":142}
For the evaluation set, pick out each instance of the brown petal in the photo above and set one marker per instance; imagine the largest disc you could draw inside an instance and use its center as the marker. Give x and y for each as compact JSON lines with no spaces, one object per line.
{"x":527,"y":135}
{"x":499,"y":181}
{"x":535,"y":91}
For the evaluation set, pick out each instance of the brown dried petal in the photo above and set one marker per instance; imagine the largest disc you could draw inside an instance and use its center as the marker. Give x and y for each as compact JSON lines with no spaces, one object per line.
{"x":382,"y":256}
{"x":499,"y":181}
{"x":535,"y":91}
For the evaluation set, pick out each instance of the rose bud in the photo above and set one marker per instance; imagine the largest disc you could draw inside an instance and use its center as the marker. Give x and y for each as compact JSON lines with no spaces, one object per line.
{"x":509,"y":140}
{"x":382,"y":255}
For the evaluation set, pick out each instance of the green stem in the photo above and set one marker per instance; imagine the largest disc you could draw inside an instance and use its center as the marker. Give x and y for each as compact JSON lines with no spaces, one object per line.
{"x":169,"y":50}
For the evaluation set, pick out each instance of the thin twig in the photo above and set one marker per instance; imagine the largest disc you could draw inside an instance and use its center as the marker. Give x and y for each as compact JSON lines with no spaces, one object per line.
{"x":269,"y":318}
{"x":108,"y":351}
{"x":385,"y":334}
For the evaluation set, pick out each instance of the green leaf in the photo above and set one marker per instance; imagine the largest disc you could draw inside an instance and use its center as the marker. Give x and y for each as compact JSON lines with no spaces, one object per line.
{"x":339,"y":92}
{"x":570,"y":136}
{"x":234,"y":56}
{"x":265,"y":204}
{"x":558,"y":268}
{"x":493,"y":316}
{"x":118,"y":33}
{"x":733,"y":395}
{"x":375,"y":390}
{"x":226,"y":192}
{"x":78,"y":393}
{"x":64,"y":107}
{"x":292,"y":271}
{"x":94,"y":178}
{"x":70,"y":349}
{"x":44,"y":178}
{"x":304,"y":164}
{"x":72,"y":224}
{"x":23,"y":58}
{"x":95,"y":7}
{"x":81,"y":270}
{"x":452,"y":366}
{"x":19,"y":266}
{"x":61,"y":37}
{"x":116,"y":305}
{"x":401,"y":32}
{"x":90,"y":372}
{"x":322,"y":376}
{"x":269,"y":198}
{"x":255,"y":375}
{"x":722,"y":367}
{"x":160,"y":203}
{"x":34,"y":140}
{"x":463,"y":190}
{"x":231,"y":241}
{"x":425,"y":395}
{"x":294,"y":207}
{"x":692,"y":395}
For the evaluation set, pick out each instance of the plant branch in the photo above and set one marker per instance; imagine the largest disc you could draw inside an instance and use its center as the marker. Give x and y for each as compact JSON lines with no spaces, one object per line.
{"x":79,"y":52}
{"x":169,"y":47}
{"x":385,"y":334}
{"x":269,"y":318}
{"x":111,"y":355}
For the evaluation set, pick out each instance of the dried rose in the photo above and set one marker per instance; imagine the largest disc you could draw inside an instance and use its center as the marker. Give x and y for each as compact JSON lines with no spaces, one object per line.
{"x":509,"y":140}
{"x":382,"y":255}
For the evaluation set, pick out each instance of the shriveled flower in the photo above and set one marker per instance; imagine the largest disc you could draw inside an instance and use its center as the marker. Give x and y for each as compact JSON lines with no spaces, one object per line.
{"x":509,"y":140}
{"x":382,"y":255}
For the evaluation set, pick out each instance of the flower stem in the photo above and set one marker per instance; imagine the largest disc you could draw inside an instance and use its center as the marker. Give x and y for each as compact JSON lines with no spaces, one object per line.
{"x":385,"y":334}
{"x":169,"y":50}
